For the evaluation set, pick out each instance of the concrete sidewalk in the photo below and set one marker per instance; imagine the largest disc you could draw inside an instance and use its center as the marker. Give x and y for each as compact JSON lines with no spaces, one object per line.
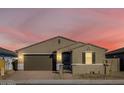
{"x":62,"y":82}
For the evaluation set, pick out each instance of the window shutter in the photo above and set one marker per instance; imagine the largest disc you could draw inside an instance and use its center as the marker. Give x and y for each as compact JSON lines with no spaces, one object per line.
{"x":93,"y":57}
{"x":83,"y":57}
{"x":59,"y":41}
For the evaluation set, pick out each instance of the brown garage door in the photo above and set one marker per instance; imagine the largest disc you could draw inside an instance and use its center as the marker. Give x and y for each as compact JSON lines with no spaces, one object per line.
{"x":37,"y":62}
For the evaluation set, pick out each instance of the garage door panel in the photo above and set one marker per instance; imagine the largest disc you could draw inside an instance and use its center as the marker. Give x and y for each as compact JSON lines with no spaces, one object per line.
{"x":37,"y":62}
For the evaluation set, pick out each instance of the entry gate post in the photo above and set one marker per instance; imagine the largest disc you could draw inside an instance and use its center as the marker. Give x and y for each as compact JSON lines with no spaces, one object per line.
{"x":2,"y":71}
{"x":61,"y":71}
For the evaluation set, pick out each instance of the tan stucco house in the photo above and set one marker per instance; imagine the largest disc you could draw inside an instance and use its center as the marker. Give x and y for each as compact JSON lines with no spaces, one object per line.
{"x":75,"y":56}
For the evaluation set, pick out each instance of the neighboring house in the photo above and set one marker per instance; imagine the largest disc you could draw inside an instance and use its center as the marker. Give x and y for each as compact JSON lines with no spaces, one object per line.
{"x":8,"y":56}
{"x":118,"y":53}
{"x":76,"y":56}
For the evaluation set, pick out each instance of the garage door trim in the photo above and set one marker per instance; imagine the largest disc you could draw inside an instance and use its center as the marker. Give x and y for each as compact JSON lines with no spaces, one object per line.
{"x":37,"y":53}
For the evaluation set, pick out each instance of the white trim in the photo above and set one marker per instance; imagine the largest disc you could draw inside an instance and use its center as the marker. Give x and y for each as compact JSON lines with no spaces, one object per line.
{"x":20,"y":66}
{"x":85,"y":64}
{"x":36,"y":53}
{"x":58,"y":66}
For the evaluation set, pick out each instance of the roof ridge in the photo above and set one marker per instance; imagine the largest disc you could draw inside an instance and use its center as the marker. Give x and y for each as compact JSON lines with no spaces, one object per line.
{"x":58,"y":37}
{"x":97,"y":46}
{"x":45,"y":41}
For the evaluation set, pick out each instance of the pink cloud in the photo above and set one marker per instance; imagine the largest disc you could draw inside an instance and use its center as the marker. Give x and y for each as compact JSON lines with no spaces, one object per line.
{"x":17,"y":39}
{"x":104,"y":27}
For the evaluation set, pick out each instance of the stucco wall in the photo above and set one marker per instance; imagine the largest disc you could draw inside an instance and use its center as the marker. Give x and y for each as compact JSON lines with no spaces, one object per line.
{"x":77,"y":60}
{"x":77,"y":54}
{"x":70,"y":48}
{"x":45,"y":47}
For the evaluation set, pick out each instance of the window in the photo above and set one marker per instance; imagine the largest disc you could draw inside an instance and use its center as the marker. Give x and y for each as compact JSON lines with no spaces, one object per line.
{"x":88,"y":57}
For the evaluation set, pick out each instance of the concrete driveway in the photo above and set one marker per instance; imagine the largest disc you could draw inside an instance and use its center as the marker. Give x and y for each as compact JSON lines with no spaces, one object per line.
{"x":36,"y":75}
{"x":48,"y":77}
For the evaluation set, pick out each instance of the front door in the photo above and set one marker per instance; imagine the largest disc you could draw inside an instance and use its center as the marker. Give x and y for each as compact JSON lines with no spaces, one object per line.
{"x":121,"y":64}
{"x":54,"y":61}
{"x":67,"y":60}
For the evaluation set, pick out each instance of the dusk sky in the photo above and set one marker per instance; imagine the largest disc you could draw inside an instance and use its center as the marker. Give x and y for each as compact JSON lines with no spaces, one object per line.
{"x":22,"y":27}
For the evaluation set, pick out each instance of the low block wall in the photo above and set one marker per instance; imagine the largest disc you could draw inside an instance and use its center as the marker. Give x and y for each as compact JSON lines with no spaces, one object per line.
{"x":114,"y":66}
{"x":84,"y":69}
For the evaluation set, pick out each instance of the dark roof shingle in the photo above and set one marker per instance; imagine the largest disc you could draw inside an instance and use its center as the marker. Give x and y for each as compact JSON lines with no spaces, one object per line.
{"x":120,"y":50}
{"x":7,"y":53}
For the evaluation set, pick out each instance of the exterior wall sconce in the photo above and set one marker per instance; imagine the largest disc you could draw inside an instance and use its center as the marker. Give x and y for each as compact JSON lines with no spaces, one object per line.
{"x":59,"y":63}
{"x":21,"y":57}
{"x":59,"y":56}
